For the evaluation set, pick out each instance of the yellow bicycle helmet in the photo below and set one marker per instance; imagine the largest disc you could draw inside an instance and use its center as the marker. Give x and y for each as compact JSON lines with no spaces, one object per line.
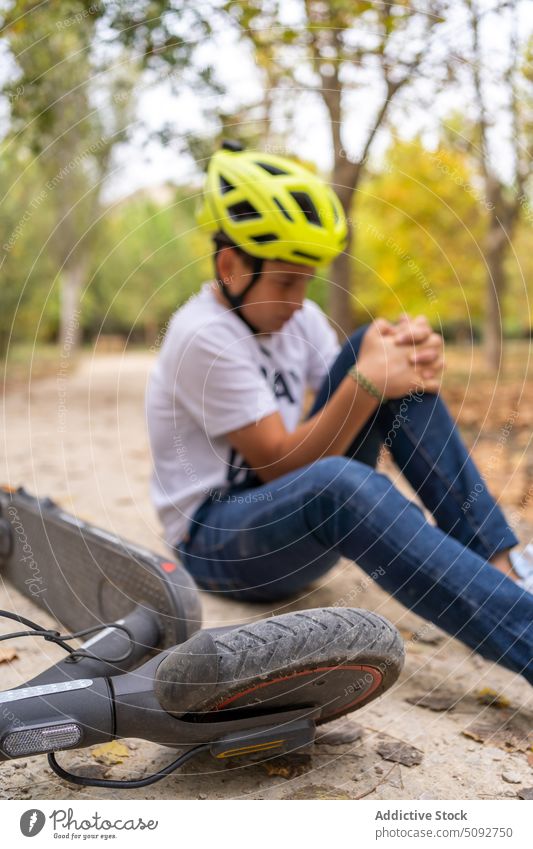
{"x":269,"y":207}
{"x":272,"y":207}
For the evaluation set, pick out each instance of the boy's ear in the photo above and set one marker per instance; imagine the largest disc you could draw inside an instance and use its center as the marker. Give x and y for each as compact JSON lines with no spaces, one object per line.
{"x":226,"y":262}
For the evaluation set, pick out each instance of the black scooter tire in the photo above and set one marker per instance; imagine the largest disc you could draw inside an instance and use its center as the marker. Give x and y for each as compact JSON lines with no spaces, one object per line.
{"x":339,"y":658}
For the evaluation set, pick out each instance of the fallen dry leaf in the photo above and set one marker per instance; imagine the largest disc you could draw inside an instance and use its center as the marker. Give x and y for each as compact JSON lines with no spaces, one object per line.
{"x":347,"y":733}
{"x":488,"y":696}
{"x":435,"y":701}
{"x":111,"y":753}
{"x":89,"y":770}
{"x":318,"y":791}
{"x":429,"y":635}
{"x":7,"y":654}
{"x":399,"y":752}
{"x":508,"y":731}
{"x":287,"y":767}
{"x":525,"y":793}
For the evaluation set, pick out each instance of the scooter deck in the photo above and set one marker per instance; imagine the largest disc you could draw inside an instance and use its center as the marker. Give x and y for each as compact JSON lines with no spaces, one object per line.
{"x":86,"y":576}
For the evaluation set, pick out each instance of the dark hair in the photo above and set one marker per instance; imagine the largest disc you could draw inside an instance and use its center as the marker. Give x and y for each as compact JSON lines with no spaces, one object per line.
{"x":222,"y":241}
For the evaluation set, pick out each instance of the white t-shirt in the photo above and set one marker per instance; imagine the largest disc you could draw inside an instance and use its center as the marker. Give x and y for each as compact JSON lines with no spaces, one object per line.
{"x":212,"y":376}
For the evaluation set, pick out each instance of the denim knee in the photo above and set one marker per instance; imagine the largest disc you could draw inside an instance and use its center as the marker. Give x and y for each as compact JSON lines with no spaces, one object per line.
{"x":339,"y":482}
{"x":343,"y":477}
{"x":335,"y":467}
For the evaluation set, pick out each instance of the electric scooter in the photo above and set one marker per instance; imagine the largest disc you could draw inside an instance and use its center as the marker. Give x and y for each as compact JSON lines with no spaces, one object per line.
{"x":148,"y":670}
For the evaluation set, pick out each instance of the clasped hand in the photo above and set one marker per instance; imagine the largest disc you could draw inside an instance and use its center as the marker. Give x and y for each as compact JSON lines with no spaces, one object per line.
{"x":402,"y":357}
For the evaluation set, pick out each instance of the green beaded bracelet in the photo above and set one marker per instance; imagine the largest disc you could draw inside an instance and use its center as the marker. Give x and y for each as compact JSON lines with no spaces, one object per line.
{"x":365,"y":383}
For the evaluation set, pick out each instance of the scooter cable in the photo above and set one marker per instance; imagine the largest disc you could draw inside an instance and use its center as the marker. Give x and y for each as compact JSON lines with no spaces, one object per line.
{"x":61,"y":639}
{"x":126,"y":784}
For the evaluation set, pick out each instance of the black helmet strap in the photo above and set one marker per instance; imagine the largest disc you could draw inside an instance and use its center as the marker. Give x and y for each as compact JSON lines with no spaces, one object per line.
{"x":236,"y":301}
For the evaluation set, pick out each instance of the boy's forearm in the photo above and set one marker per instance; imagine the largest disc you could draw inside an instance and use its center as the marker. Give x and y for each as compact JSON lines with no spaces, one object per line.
{"x":329,"y":432}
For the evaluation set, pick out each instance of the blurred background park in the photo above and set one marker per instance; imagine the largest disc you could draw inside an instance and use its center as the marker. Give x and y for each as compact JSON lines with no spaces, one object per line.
{"x":420,"y":114}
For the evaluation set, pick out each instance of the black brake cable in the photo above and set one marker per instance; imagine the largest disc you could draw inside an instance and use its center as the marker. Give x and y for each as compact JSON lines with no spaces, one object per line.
{"x":61,"y":639}
{"x":125,"y":784}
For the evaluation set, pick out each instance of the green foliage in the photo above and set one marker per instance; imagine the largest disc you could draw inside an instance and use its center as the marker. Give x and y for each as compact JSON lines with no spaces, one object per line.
{"x":419,"y":232}
{"x":57,"y":136}
{"x":150,"y":260}
{"x":518,"y":299}
{"x":70,"y":98}
{"x":27,"y":269}
{"x":420,"y":221}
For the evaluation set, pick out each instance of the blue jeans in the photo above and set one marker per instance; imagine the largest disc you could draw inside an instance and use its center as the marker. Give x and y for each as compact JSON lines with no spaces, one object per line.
{"x":267,"y":541}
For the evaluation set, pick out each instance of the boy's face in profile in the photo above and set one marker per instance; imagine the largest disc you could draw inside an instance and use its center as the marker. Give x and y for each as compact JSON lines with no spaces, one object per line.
{"x":275,"y":297}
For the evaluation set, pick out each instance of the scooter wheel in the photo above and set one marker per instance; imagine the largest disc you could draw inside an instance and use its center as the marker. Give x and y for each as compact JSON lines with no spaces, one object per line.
{"x":336,"y":659}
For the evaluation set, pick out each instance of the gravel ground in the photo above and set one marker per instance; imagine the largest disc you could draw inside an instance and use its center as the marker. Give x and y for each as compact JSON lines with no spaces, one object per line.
{"x":80,"y":437}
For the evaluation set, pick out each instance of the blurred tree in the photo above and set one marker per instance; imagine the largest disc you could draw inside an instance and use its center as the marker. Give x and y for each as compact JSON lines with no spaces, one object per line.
{"x":71,"y":96}
{"x":502,"y":122}
{"x":333,"y":48}
{"x":150,"y":259}
{"x":24,"y":225}
{"x":419,"y":232}
{"x":54,"y":120}
{"x":173,"y":42}
{"x":517,"y":306}
{"x":336,"y":48}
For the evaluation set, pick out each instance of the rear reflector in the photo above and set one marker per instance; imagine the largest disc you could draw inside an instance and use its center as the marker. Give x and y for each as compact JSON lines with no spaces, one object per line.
{"x":49,"y":738}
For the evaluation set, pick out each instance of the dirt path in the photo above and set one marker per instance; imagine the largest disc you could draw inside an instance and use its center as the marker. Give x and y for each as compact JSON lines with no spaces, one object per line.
{"x":80,"y":437}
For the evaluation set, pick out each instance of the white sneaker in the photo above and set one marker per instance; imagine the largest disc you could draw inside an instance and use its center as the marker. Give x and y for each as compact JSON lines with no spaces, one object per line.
{"x":522,"y":563}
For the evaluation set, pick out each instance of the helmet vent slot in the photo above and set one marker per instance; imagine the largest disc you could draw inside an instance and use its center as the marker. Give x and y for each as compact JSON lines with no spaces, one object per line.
{"x":305,"y":255}
{"x":307,"y":206}
{"x":263,"y":238}
{"x":272,"y":169}
{"x":283,"y":210}
{"x":243,"y":211}
{"x":225,"y":185}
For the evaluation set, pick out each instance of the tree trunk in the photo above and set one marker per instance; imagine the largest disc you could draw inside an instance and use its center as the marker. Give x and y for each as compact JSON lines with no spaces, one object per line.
{"x":502,"y":222}
{"x":495,"y":258}
{"x":151,"y":332}
{"x":340,"y":308}
{"x":72,"y":280}
{"x":340,"y":300}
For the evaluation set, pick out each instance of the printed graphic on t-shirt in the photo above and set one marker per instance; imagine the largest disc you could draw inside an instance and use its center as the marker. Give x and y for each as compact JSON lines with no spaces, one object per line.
{"x":279,"y":384}
{"x":239,"y":471}
{"x":213,"y":376}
